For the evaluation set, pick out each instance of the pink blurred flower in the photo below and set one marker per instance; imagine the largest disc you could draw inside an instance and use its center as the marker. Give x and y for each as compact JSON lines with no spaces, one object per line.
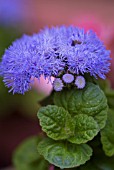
{"x":87,"y":23}
{"x":51,"y":167}
{"x":94,"y":23}
{"x":43,"y":85}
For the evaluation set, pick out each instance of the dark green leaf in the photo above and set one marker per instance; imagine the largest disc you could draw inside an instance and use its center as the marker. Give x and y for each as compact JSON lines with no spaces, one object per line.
{"x":56,"y":122}
{"x":63,"y":97}
{"x":26,"y":156}
{"x":99,"y":162}
{"x":64,"y":154}
{"x":86,"y":128}
{"x":107,"y":135}
{"x":109,"y":92}
{"x":90,"y":101}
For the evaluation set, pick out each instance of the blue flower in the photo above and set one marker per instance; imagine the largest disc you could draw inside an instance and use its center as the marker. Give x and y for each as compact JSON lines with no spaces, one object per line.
{"x":58,"y":84}
{"x":68,"y":78}
{"x":88,"y":55}
{"x":50,"y":52}
{"x":80,"y":82}
{"x":79,"y":51}
{"x":15,"y":66}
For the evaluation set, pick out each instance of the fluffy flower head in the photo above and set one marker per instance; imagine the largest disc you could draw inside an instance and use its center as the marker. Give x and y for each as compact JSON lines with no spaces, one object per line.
{"x":80,"y":82}
{"x":57,"y":84}
{"x":68,"y":78}
{"x":59,"y":49}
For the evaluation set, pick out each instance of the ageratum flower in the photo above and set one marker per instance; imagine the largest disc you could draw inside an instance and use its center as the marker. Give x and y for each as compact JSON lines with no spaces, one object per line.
{"x":58,"y":84}
{"x":80,"y":82}
{"x":50,"y":52}
{"x":68,"y":78}
{"x":27,"y":59}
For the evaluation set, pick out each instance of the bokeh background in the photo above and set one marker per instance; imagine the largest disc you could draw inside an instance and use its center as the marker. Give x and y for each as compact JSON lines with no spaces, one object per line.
{"x":17,"y":17}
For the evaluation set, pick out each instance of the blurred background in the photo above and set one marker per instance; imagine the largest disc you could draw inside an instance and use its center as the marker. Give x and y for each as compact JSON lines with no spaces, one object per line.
{"x":18,"y":118}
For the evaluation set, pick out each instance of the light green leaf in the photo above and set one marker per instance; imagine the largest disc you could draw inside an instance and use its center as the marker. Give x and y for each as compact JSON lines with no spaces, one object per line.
{"x":56,"y":122}
{"x":107,"y":135}
{"x":64,"y":154}
{"x":26,"y":156}
{"x":86,"y":128}
{"x":90,"y":101}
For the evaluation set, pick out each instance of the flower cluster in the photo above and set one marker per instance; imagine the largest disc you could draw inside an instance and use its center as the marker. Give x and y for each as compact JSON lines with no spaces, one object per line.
{"x":58,"y":84}
{"x":52,"y":51}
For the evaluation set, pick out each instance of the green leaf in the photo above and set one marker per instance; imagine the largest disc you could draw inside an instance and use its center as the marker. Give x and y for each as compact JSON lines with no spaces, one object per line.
{"x":109,"y":92}
{"x":63,"y":98}
{"x":64,"y":154}
{"x":99,"y":162}
{"x":107,"y":135}
{"x":86,"y":128}
{"x":90,"y":101}
{"x":56,"y":122}
{"x":26,"y":156}
{"x":101,"y":165}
